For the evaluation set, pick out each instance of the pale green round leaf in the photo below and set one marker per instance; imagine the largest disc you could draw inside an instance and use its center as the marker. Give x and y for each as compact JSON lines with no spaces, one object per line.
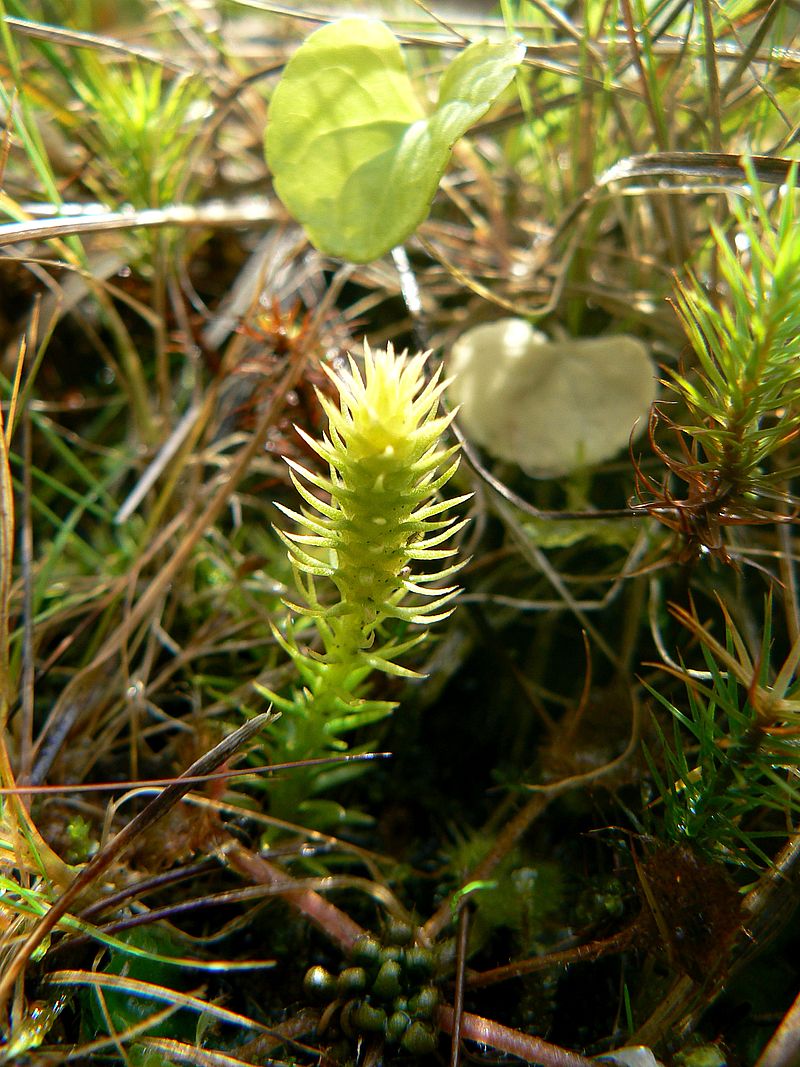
{"x":353,"y":156}
{"x":552,"y":407}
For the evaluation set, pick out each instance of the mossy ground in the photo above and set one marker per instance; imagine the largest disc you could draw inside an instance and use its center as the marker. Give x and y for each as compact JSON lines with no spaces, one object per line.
{"x":151,"y":382}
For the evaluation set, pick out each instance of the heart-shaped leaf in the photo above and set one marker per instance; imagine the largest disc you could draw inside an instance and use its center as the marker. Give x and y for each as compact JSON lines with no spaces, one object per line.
{"x":353,"y":156}
{"x":550,"y":406}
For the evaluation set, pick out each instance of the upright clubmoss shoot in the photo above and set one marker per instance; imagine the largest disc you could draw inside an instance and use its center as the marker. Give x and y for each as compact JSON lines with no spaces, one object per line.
{"x":378,"y":518}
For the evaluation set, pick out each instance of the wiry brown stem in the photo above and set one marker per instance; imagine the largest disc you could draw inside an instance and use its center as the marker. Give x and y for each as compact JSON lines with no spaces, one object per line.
{"x":334,"y":922}
{"x":530,"y":1049}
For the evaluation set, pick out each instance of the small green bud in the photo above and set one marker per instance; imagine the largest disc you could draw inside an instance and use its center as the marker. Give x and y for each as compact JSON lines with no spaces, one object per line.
{"x":368,"y":1018}
{"x":399,"y":933}
{"x":419,"y":1039}
{"x":423,"y":1004}
{"x":387,"y":983}
{"x":366,"y":951}
{"x":319,"y":984}
{"x":419,"y":962}
{"x":396,"y":1025}
{"x":351,"y":980}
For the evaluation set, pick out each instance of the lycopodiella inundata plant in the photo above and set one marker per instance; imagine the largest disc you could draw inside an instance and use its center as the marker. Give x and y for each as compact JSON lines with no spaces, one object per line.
{"x":377,"y":519}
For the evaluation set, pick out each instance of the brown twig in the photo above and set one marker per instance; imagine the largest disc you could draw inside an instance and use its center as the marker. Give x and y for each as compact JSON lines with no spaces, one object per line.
{"x":530,"y":1049}
{"x":783,"y":1048}
{"x":334,"y":922}
{"x":587,"y":953}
